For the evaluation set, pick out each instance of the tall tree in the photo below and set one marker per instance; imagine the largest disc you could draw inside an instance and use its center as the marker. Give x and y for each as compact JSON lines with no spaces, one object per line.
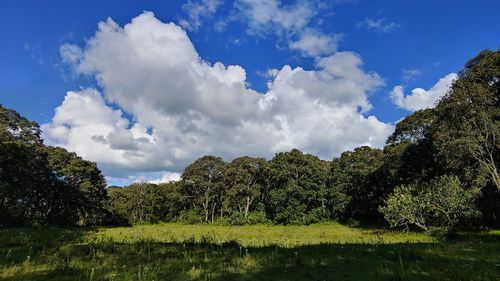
{"x":353,"y":173}
{"x":202,"y":185}
{"x":409,"y":153}
{"x":45,"y":185}
{"x":467,"y":127}
{"x":298,"y":191}
{"x":244,"y":180}
{"x":27,"y":186}
{"x":84,"y":183}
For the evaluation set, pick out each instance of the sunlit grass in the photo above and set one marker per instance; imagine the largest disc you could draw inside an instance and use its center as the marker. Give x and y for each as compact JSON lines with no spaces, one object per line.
{"x":260,"y":235}
{"x":208,"y":252}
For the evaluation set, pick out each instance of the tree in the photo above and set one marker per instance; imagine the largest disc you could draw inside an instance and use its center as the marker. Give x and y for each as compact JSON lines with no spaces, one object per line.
{"x":119,"y":205}
{"x":202,"y":185}
{"x":409,"y":154}
{"x":144,"y":202}
{"x":298,"y":188}
{"x":28,"y":190}
{"x":467,"y":129}
{"x":44,"y":185}
{"x":15,"y":127}
{"x":84,"y":184}
{"x":27,"y":186}
{"x":354,"y":175}
{"x":337,"y":197}
{"x":244,"y":180}
{"x":413,"y":128}
{"x":443,"y":204}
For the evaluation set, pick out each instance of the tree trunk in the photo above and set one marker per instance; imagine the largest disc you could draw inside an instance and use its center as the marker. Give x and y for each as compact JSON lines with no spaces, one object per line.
{"x":247,"y":206}
{"x":213,"y":211}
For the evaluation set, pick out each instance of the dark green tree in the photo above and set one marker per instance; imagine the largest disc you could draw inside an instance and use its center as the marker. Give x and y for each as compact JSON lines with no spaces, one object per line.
{"x":244,"y":180}
{"x":298,"y":188}
{"x":466,"y":133}
{"x":353,"y":174}
{"x":84,"y":186}
{"x":44,"y":185}
{"x":27,"y":187}
{"x":203,"y":186}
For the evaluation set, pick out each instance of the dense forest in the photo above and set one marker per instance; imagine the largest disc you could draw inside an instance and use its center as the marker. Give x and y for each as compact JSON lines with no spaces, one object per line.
{"x":439,"y":170}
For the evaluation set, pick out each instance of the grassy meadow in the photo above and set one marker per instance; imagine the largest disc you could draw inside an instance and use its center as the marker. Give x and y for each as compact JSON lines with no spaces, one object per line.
{"x":210,"y":252}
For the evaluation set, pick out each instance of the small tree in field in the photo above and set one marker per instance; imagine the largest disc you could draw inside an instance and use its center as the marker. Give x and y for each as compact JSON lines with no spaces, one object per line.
{"x":442,"y":204}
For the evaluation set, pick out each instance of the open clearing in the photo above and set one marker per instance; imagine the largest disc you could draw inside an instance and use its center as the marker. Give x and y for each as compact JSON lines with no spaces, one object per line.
{"x":209,"y":252}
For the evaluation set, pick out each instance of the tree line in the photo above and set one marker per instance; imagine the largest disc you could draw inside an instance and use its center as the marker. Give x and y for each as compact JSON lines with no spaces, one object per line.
{"x":438,"y":170}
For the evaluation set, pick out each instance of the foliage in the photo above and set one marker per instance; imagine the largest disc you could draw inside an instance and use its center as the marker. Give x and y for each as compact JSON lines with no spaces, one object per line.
{"x":244,"y":180}
{"x":84,"y":184}
{"x":443,"y":203}
{"x":448,"y":153}
{"x":298,"y":187}
{"x":353,"y":174}
{"x":44,"y":185}
{"x":144,"y":202}
{"x":467,"y":131}
{"x":202,"y":185}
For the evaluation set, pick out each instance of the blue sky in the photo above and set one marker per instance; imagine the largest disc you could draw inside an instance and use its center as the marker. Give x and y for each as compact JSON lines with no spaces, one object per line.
{"x":410,"y":44}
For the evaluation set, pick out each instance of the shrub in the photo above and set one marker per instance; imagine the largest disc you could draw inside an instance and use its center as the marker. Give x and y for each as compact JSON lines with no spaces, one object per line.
{"x":190,"y":216}
{"x":437,"y":206}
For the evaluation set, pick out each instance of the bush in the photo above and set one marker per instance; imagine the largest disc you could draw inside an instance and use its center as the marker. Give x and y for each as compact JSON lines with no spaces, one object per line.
{"x":190,"y":216}
{"x":317,"y":215}
{"x":258,"y":217}
{"x":437,"y":207}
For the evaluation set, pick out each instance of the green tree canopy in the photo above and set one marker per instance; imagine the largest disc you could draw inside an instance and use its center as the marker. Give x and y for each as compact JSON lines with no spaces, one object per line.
{"x":298,"y":191}
{"x":441,"y":204}
{"x":245,"y":179}
{"x":466,"y":133}
{"x":203,"y":185}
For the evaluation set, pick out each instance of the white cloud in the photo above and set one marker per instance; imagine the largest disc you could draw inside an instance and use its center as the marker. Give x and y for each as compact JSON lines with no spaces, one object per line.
{"x":197,"y":11}
{"x":410,"y":74}
{"x":313,"y":43}
{"x":379,"y":25}
{"x":70,"y":53}
{"x":420,"y":98}
{"x":183,"y":107}
{"x":270,"y":16}
{"x":290,"y":23}
{"x":167,"y":177}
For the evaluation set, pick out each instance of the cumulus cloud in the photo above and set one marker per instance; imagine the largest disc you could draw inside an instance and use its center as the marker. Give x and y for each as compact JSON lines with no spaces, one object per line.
{"x":167,"y":177}
{"x":197,"y":11}
{"x":421,"y":98}
{"x":379,"y":25}
{"x":162,"y":106}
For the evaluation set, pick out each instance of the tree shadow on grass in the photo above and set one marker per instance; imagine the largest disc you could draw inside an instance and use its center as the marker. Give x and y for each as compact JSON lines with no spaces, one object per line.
{"x":470,"y":257}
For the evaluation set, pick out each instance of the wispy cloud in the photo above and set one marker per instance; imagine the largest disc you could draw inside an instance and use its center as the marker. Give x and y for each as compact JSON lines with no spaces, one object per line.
{"x":410,"y":74}
{"x":313,"y":43}
{"x":197,"y":11}
{"x":291,"y":23}
{"x":379,"y":25}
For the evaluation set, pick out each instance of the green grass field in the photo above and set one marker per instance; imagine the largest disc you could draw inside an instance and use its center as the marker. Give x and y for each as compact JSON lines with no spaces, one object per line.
{"x":207,"y":252}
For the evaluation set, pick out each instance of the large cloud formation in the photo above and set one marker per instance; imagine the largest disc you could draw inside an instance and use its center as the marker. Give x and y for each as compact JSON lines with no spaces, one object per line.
{"x":162,"y":106}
